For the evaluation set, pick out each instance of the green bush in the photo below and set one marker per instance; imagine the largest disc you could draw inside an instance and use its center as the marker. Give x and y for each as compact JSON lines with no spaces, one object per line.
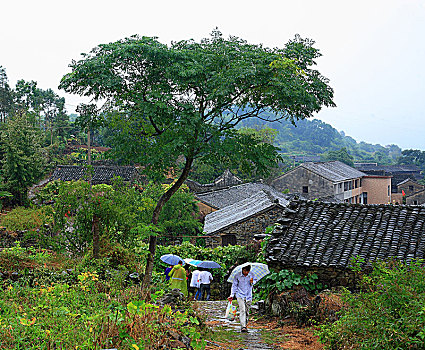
{"x":388,"y":313}
{"x":278,"y":281}
{"x":20,"y":218}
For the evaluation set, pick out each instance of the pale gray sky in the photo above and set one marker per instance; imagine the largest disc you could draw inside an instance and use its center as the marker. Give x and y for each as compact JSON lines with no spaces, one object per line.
{"x":373,"y":50}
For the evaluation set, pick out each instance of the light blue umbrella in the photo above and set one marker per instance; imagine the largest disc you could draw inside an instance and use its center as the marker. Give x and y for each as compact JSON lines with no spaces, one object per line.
{"x":209,"y":265}
{"x":259,"y":270}
{"x":171,"y":259}
{"x":192,"y":262}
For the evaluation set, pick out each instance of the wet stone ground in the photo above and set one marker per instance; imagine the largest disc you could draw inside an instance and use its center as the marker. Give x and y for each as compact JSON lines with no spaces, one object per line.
{"x":232,"y":338}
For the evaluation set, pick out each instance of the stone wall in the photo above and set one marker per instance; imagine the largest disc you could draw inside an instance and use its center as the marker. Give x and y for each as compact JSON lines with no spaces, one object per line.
{"x":245,"y":230}
{"x":410,"y":187}
{"x":300,"y":177}
{"x":416,"y":199}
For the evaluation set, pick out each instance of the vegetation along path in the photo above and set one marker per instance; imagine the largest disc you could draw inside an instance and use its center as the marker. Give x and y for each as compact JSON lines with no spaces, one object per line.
{"x":263,"y":334}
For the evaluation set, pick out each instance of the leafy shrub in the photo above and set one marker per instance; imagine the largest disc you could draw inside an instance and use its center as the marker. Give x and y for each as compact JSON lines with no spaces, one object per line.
{"x":20,"y":218}
{"x":63,"y":316}
{"x":387,"y":313}
{"x":278,"y":281}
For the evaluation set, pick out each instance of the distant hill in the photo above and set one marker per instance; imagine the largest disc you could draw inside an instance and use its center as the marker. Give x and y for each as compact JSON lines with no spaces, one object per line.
{"x":316,"y":138}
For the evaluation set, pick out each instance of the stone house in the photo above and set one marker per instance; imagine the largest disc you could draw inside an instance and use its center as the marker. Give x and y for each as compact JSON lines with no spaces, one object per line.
{"x":417,"y":198}
{"x":317,"y":180}
{"x":323,"y":238}
{"x":218,"y":199}
{"x":239,"y":222}
{"x":409,"y":186}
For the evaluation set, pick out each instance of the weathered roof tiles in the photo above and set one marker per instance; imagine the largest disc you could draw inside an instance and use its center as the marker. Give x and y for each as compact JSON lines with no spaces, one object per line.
{"x":228,"y":196}
{"x":241,"y":211}
{"x":330,"y":235}
{"x":102,"y":174}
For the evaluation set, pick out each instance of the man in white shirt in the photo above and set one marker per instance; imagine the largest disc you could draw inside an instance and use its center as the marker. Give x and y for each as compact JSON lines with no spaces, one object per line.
{"x":205,"y":279}
{"x":194,"y":283}
{"x":242,"y":288}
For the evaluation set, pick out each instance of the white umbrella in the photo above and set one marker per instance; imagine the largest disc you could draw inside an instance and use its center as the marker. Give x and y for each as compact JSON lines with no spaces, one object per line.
{"x":259,"y":270}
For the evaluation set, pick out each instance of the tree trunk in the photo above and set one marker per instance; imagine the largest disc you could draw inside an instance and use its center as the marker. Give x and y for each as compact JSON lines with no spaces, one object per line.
{"x":96,"y":238}
{"x":161,"y":202}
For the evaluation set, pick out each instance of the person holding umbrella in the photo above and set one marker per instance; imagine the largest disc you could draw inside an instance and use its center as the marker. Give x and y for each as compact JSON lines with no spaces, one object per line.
{"x":242,"y":288}
{"x":178,"y":278}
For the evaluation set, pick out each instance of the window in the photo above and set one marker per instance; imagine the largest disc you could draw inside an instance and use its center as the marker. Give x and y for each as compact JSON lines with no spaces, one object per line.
{"x":388,"y":190}
{"x":410,"y":188}
{"x":305,"y":189}
{"x":228,"y":240}
{"x":415,"y":202}
{"x":364,"y":197}
{"x":360,"y":182}
{"x":356,"y":183}
{"x":346,"y":186}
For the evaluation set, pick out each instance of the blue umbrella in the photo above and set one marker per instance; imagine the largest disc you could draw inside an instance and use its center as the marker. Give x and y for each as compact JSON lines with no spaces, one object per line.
{"x":171,"y":259}
{"x":193,"y":262}
{"x":209,"y":265}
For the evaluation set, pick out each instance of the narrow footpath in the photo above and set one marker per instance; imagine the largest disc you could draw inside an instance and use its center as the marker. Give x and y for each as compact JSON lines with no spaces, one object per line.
{"x":262,"y":334}
{"x":230,"y":330}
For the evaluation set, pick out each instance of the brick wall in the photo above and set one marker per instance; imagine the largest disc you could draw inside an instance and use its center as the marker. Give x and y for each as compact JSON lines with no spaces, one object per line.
{"x":300,"y":177}
{"x":245,"y":231}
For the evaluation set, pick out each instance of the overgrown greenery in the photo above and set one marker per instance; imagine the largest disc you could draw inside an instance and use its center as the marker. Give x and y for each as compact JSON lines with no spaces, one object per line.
{"x":387,"y":313}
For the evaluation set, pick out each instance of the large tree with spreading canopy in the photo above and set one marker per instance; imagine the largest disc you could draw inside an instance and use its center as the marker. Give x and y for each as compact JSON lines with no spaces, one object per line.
{"x":184,"y":100}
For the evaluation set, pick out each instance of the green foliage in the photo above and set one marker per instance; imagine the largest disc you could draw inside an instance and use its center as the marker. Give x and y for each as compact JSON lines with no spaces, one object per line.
{"x":388,"y":312}
{"x":314,"y":137}
{"x":279,"y":281}
{"x":21,"y":218}
{"x":125,"y":212}
{"x":227,"y":75}
{"x":342,"y":155}
{"x":23,"y":158}
{"x":413,"y":156}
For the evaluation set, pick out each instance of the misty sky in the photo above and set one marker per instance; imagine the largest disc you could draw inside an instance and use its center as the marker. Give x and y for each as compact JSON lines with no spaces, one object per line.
{"x":373,"y":51}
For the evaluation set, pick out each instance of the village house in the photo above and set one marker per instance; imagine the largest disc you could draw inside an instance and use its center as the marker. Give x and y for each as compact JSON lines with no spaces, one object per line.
{"x":212,"y":201}
{"x":317,"y":180}
{"x":323,"y":238}
{"x":398,"y":173}
{"x":239,"y":222}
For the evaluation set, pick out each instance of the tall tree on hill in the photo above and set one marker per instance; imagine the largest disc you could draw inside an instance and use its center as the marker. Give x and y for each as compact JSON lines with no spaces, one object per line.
{"x":23,"y":157}
{"x":6,"y":96}
{"x":184,"y":100}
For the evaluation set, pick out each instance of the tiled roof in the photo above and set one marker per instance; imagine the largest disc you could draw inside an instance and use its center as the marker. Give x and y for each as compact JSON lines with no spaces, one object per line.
{"x":389,"y":168}
{"x":102,"y":174}
{"x":224,"y":197}
{"x":407,"y":180}
{"x":242,"y":210}
{"x":224,"y":180}
{"x":335,"y":171}
{"x":317,"y":234}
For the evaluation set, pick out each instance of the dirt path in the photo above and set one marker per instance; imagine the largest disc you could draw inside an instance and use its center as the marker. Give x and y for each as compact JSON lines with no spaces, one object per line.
{"x":263,"y":334}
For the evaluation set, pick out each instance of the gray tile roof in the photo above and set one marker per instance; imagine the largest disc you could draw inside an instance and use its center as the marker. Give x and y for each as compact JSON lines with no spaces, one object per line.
{"x":224,"y":197}
{"x":224,"y":180}
{"x":317,"y":234}
{"x":102,"y":174}
{"x":335,"y":171}
{"x":242,"y":210}
{"x":404,"y":181}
